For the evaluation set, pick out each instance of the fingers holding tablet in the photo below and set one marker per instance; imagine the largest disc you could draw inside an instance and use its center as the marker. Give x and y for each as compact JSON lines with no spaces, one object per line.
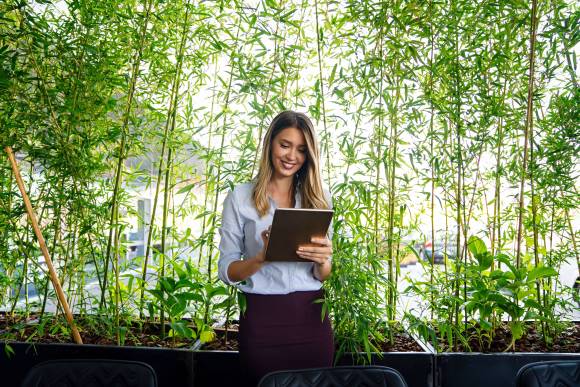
{"x":319,"y":254}
{"x":265,"y":238}
{"x":321,"y":241}
{"x":266,"y":235}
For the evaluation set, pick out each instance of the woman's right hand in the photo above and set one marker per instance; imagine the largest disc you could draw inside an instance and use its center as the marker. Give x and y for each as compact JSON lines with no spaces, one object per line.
{"x":241,"y":269}
{"x":265,"y":238}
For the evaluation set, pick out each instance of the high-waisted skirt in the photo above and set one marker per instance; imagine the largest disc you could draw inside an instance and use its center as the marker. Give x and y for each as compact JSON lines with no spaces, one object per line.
{"x":282,"y":332}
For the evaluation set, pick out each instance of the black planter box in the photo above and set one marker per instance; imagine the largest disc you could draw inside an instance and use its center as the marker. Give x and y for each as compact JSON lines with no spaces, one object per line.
{"x":174,"y":367}
{"x":487,"y":369}
{"x":217,"y":368}
{"x":416,"y":367}
{"x":222,"y":368}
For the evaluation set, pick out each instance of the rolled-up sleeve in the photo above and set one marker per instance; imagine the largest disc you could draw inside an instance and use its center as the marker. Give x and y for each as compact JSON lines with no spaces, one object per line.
{"x":232,"y":238}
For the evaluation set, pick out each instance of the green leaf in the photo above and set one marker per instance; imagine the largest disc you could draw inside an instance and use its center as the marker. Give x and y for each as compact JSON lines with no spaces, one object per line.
{"x":206,"y":336}
{"x":485,"y":261}
{"x":485,"y":324}
{"x":503,"y":258}
{"x":187,"y":188}
{"x":8,"y":350}
{"x":167,"y":284}
{"x":541,"y":272}
{"x":242,"y":302}
{"x":517,"y":329}
{"x":180,"y":328}
{"x":476,"y":246}
{"x":530,"y":303}
{"x":332,"y":75}
{"x":218,"y":291}
{"x":190,"y":297}
{"x":157,"y":293}
{"x":272,"y":4}
{"x":122,"y":335}
{"x":151,"y":309}
{"x":182,"y":274}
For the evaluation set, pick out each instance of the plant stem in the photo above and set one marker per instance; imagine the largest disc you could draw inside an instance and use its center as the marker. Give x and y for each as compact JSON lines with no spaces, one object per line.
{"x":121,"y":155}
{"x":170,"y":118}
{"x":458,"y":155}
{"x":432,"y":155}
{"x":325,"y":136}
{"x":266,"y":101}
{"x":220,"y":162}
{"x":208,"y":166}
{"x":529,"y":123}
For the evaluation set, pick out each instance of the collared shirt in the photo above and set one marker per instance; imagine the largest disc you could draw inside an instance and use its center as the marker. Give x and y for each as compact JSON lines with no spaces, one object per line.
{"x":241,"y":231}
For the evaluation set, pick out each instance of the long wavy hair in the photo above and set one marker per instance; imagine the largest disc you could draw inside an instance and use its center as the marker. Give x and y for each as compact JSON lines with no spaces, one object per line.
{"x":307,"y":180}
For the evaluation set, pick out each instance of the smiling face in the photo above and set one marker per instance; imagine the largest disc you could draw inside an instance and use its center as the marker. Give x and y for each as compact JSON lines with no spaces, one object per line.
{"x":289,"y":152}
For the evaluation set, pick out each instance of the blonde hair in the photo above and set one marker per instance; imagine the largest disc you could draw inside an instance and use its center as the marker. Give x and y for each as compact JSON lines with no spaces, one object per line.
{"x":307,"y":180}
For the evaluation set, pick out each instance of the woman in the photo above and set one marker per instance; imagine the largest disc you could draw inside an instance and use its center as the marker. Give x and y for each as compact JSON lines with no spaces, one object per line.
{"x":282,"y":326}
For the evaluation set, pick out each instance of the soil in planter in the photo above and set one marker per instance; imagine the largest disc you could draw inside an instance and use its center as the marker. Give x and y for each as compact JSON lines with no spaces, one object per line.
{"x":220,"y":343}
{"x":567,"y":342}
{"x":92,"y":330}
{"x":402,"y":342}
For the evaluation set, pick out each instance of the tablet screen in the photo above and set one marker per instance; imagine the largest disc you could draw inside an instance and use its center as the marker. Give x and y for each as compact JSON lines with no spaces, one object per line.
{"x":292,"y":227}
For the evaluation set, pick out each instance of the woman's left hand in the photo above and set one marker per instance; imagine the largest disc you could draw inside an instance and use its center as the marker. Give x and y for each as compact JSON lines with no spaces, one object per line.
{"x":319,"y":253}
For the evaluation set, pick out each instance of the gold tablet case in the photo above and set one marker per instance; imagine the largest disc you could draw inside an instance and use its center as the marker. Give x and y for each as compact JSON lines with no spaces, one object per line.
{"x":292,"y":227}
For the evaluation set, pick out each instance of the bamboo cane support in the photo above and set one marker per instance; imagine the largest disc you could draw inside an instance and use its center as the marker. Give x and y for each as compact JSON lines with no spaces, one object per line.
{"x":52,"y":272}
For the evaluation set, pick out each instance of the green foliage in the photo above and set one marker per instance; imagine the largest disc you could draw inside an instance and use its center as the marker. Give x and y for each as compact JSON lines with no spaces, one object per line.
{"x":493,"y":295}
{"x":419,"y":107}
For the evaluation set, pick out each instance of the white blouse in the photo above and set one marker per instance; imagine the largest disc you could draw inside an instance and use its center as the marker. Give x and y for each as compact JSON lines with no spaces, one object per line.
{"x":241,"y":237}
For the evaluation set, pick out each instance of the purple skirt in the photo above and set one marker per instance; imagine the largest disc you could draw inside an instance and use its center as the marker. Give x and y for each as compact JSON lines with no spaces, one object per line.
{"x":284,"y":331}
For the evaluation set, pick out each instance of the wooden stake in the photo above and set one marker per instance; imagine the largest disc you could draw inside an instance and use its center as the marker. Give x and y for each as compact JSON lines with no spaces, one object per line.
{"x":52,"y":272}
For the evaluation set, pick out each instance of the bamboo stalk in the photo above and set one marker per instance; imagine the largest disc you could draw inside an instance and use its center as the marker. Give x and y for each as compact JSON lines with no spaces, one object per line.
{"x":52,"y":271}
{"x":573,"y":238}
{"x":6,"y":232}
{"x":497,"y":195}
{"x":218,"y":174}
{"x":468,"y":214}
{"x":288,"y":80}
{"x":354,"y":134}
{"x":431,"y":148}
{"x":567,"y":50}
{"x":53,"y":249}
{"x":326,"y":136}
{"x":300,"y":33}
{"x":394,"y":120}
{"x":24,"y":275}
{"x":26,"y":256}
{"x":166,"y":193}
{"x":458,"y":150}
{"x":539,"y":281}
{"x":170,"y":113}
{"x":379,"y":138}
{"x":215,"y":183}
{"x":528,"y":125}
{"x":207,"y":166}
{"x":119,"y":168}
{"x":266,"y":98}
{"x":169,"y":162}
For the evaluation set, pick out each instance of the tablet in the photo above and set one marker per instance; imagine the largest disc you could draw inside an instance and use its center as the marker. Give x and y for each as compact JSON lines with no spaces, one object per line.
{"x":292,"y":227}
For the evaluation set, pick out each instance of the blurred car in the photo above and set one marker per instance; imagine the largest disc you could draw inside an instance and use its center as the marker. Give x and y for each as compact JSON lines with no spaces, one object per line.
{"x":443,"y":246}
